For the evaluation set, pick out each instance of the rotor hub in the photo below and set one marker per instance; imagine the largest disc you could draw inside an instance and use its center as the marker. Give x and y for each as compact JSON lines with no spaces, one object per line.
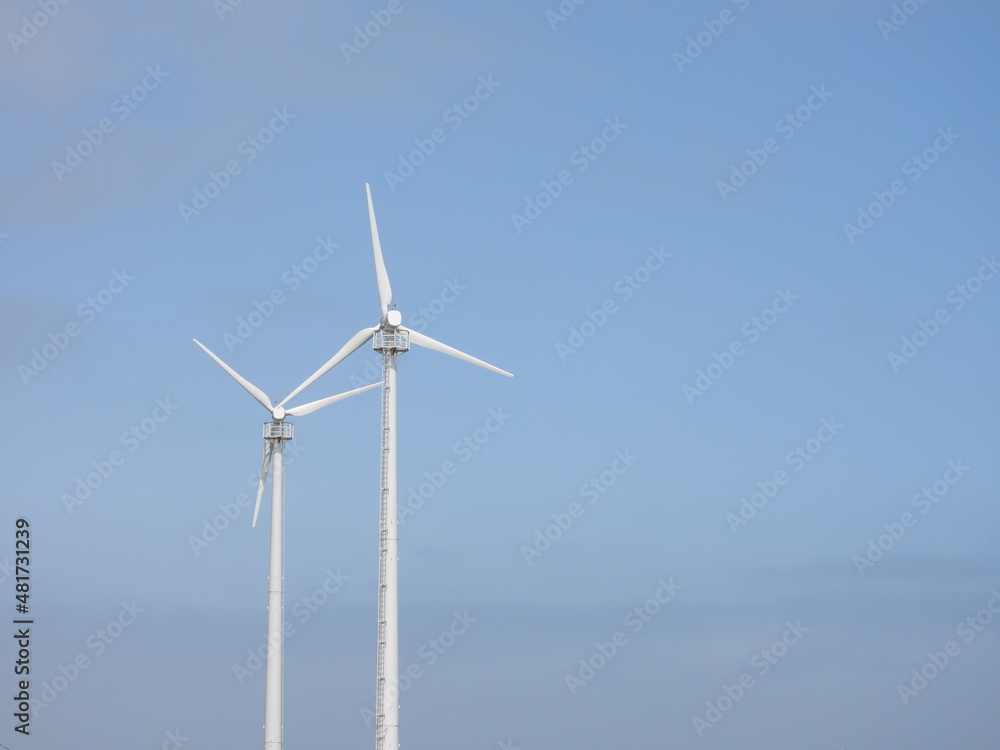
{"x":392,"y":319}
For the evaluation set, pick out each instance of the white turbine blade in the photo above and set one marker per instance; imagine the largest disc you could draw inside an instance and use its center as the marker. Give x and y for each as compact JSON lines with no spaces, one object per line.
{"x":354,"y":344}
{"x":312,"y":406}
{"x":384,"y":290}
{"x":253,"y":390}
{"x":263,"y":478}
{"x":428,"y":343}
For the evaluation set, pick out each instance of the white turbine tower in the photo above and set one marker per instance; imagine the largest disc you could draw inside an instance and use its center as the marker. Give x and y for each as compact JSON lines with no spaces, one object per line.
{"x":391,"y":338}
{"x":276,"y":433}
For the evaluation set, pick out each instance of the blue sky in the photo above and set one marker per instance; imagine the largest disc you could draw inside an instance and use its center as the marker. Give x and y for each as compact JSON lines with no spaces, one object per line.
{"x":726,"y":248}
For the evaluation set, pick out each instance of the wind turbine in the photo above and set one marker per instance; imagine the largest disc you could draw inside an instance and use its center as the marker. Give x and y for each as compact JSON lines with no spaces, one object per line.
{"x":391,"y":339}
{"x":276,"y":433}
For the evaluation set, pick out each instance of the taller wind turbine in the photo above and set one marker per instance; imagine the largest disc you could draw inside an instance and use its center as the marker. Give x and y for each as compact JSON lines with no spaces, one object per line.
{"x":276,"y":433}
{"x":390,"y":339}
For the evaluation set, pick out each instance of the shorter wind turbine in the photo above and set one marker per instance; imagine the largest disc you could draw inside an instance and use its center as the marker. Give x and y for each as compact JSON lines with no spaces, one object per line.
{"x":276,"y":433}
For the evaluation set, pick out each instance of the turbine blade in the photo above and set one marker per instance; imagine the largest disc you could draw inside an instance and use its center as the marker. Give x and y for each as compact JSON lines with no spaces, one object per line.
{"x":354,"y":344}
{"x":427,"y":342}
{"x":384,"y":290}
{"x":253,"y":390}
{"x":263,"y":478}
{"x":312,"y":406}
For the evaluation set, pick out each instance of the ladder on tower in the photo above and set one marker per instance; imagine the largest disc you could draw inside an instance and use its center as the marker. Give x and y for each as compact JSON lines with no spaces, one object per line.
{"x":380,"y":728}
